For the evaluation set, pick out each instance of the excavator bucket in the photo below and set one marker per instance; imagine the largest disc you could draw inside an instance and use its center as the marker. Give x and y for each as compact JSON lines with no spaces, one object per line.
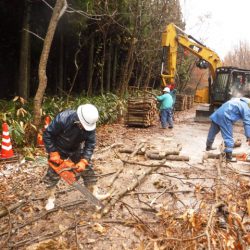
{"x":203,"y":111}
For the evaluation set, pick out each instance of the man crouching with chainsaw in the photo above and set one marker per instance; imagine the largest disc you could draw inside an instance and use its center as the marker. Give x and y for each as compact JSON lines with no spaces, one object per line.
{"x":70,"y":139}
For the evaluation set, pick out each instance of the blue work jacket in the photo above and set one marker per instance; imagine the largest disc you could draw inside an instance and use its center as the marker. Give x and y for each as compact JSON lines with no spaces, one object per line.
{"x":232,"y":111}
{"x":66,"y":137}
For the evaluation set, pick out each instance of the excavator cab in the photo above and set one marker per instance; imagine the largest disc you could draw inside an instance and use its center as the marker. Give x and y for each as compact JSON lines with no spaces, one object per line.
{"x":230,"y":82}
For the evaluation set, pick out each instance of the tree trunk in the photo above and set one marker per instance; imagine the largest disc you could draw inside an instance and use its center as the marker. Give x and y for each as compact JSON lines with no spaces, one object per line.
{"x":103,"y":64}
{"x":114,"y":67}
{"x":130,"y":69}
{"x":60,"y":66}
{"x":90,"y":67}
{"x":146,"y":83}
{"x":24,"y":67}
{"x":59,"y":9}
{"x":125,"y":69}
{"x":108,"y":69}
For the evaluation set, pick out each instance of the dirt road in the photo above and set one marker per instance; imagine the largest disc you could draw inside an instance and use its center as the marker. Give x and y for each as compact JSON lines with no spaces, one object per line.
{"x":153,"y":205}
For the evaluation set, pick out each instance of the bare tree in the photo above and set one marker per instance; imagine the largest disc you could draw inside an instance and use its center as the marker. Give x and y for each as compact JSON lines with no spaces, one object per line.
{"x":58,"y":11}
{"x":239,"y":56}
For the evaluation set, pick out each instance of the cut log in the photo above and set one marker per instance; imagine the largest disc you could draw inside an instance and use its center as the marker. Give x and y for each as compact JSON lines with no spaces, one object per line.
{"x":177,"y":158}
{"x":211,"y":156}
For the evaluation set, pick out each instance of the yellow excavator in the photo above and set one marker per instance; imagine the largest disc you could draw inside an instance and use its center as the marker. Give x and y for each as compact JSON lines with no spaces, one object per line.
{"x":224,"y":82}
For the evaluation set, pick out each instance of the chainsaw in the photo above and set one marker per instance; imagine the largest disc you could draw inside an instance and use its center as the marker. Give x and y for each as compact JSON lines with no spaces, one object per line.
{"x":243,"y":157}
{"x":67,"y":171}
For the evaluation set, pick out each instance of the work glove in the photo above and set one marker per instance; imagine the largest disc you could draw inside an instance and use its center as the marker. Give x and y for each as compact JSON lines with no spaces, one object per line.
{"x":81,"y":165}
{"x":68,"y":163}
{"x":55,"y":158}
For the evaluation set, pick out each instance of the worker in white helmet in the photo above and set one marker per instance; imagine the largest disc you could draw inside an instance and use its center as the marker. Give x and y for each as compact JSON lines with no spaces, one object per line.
{"x":166,"y":108}
{"x":72,"y":135}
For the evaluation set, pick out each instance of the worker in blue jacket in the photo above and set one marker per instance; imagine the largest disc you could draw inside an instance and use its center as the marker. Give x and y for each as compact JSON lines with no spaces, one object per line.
{"x":166,"y":108}
{"x":71,"y":135}
{"x":223,"y":120}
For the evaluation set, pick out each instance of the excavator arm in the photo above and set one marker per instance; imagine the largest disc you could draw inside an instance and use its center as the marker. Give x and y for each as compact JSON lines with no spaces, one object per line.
{"x":171,"y":40}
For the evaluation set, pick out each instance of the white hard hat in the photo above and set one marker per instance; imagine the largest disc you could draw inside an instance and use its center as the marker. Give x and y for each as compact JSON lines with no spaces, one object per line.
{"x":88,"y":116}
{"x":166,"y":89}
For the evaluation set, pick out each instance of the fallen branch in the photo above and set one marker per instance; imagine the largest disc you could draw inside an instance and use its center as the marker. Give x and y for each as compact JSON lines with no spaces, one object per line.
{"x":211,"y":156}
{"x":40,"y":238}
{"x":164,"y":191}
{"x":177,"y":158}
{"x":119,"y":195}
{"x":5,"y":211}
{"x":160,"y":164}
{"x":115,"y":177}
{"x":129,"y":151}
{"x":43,"y":214}
{"x":209,"y":223}
{"x":114,"y":145}
{"x":136,"y":150}
{"x":9,"y":232}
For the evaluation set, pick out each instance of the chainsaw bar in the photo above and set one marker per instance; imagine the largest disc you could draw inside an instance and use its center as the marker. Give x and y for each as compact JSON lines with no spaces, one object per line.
{"x":90,"y":197}
{"x":69,"y":175}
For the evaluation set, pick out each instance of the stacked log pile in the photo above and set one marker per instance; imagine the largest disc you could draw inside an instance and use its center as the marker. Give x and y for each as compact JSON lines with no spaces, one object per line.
{"x":190,"y":101}
{"x":184,"y":102}
{"x":180,"y":103}
{"x":141,"y":111}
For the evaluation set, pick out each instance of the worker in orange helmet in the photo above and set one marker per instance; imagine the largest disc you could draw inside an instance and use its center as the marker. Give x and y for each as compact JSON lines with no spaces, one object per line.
{"x":72,"y":135}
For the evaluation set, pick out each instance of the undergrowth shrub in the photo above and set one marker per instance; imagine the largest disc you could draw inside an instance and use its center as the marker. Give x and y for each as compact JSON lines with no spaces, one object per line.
{"x":18,"y":113}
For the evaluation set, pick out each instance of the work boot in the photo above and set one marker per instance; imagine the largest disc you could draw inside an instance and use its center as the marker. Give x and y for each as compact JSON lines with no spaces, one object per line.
{"x":230,"y":158}
{"x":208,"y":148}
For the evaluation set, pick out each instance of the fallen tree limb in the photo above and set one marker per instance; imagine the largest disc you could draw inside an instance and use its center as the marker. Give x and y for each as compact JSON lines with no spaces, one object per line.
{"x":44,"y":213}
{"x":211,"y":156}
{"x":119,"y":195}
{"x":137,"y":149}
{"x":133,"y":153}
{"x":129,"y":151}
{"x":4,"y":210}
{"x":115,"y":177}
{"x":160,"y":164}
{"x":9,"y":232}
{"x":114,"y":145}
{"x":41,"y":238}
{"x":164,"y":191}
{"x":209,"y":223}
{"x":177,"y":158}
{"x":152,"y":154}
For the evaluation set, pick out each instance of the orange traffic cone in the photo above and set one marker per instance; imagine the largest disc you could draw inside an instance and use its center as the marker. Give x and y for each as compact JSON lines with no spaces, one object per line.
{"x":40,"y":133}
{"x":6,"y":151}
